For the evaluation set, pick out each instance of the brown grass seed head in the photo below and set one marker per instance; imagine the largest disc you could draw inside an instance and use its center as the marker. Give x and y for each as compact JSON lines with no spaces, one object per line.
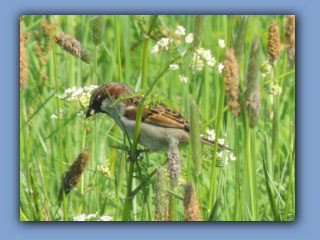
{"x":73,"y":175}
{"x":274,"y":42}
{"x":232,"y":82}
{"x":191,"y":204}
{"x":72,"y":46}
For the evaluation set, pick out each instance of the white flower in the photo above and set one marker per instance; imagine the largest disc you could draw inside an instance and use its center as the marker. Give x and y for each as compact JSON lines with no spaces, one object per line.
{"x":155,"y":49}
{"x":92,"y":216}
{"x":105,"y":218}
{"x":163,"y":43}
{"x":219,"y":155}
{"x":54,"y":116}
{"x":181,"y":31}
{"x":182,"y":51}
{"x":183,"y":78}
{"x":103,"y":167}
{"x":81,"y":217}
{"x":276,"y":90}
{"x":189,"y":38}
{"x":221,"y":43}
{"x":63,"y":96}
{"x":206,"y":54}
{"x":174,"y":66}
{"x":212,"y":62}
{"x":70,"y":90}
{"x":196,"y":63}
{"x":211,"y":134}
{"x":220,"y":67}
{"x":232,"y":158}
{"x":221,"y":140}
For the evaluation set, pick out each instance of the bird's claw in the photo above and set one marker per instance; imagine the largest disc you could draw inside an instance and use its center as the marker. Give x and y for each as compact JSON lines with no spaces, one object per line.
{"x":134,"y":158}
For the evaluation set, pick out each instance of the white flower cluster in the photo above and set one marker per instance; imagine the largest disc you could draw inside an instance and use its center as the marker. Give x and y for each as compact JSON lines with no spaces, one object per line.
{"x":174,"y":66}
{"x":62,"y":112}
{"x":162,"y":44}
{"x":231,"y":157}
{"x":103,"y":167}
{"x":76,"y":95}
{"x":181,"y":31}
{"x":182,"y":51}
{"x":276,"y":90}
{"x":105,"y":218}
{"x":220,"y":67}
{"x":265,"y":68}
{"x":212,"y":136}
{"x":183,"y":78}
{"x":199,"y":58}
{"x":83,"y":217}
{"x":81,"y":95}
{"x":221,"y":43}
{"x":189,"y":38}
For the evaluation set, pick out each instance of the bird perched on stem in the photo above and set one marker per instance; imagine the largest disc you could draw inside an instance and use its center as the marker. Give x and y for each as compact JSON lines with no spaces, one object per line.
{"x":160,"y":127}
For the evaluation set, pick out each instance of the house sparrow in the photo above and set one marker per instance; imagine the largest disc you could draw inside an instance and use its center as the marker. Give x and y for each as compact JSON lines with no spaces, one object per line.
{"x":159,"y":127}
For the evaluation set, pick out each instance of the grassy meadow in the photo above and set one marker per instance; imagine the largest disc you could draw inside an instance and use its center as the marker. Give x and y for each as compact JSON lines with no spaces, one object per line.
{"x":241,"y":93}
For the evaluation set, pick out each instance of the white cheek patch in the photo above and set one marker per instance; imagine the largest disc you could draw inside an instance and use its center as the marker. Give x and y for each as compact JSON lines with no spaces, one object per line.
{"x":92,"y":112}
{"x":130,"y":107}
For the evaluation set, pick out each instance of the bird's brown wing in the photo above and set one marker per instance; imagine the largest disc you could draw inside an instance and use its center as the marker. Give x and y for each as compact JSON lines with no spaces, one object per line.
{"x":159,"y":115}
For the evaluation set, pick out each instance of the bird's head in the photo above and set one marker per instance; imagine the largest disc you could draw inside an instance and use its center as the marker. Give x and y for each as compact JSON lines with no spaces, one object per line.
{"x":100,"y":101}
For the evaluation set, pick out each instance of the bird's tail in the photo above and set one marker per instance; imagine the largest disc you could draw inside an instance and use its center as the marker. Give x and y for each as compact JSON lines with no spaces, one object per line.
{"x":211,"y":143}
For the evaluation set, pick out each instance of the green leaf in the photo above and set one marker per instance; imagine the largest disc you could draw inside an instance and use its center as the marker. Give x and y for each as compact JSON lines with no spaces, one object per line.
{"x":24,"y":203}
{"x":36,"y":197}
{"x":270,"y":195}
{"x":120,"y":147}
{"x":213,"y":215}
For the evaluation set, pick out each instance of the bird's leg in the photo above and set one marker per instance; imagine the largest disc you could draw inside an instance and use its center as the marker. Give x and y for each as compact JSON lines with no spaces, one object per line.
{"x":135,"y":157}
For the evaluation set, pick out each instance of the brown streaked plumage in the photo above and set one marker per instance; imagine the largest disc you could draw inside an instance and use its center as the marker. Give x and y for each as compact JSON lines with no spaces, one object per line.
{"x":159,"y":126}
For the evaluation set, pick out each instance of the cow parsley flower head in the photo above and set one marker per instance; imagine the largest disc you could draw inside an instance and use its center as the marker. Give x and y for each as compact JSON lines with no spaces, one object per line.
{"x":183,"y":78}
{"x":105,"y":218}
{"x":221,"y":43}
{"x":276,"y":89}
{"x":232,"y":158}
{"x":220,"y":67}
{"x":92,"y":215}
{"x":182,"y":51}
{"x":189,"y":38}
{"x":103,"y":167}
{"x":174,"y":66}
{"x":81,"y":217}
{"x":155,"y":49}
{"x":181,"y":31}
{"x":212,"y":62}
{"x":163,"y":43}
{"x":211,"y":134}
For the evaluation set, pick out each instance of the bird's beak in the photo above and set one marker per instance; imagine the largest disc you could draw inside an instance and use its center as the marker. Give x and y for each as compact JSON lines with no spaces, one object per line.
{"x":90,"y":112}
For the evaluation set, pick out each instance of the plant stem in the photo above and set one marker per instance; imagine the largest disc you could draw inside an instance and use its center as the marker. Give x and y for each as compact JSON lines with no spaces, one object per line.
{"x":64,"y":201}
{"x":118,"y":47}
{"x":97,"y":143}
{"x":128,"y":202}
{"x":248,"y":158}
{"x":26,"y":156}
{"x":218,"y":126}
